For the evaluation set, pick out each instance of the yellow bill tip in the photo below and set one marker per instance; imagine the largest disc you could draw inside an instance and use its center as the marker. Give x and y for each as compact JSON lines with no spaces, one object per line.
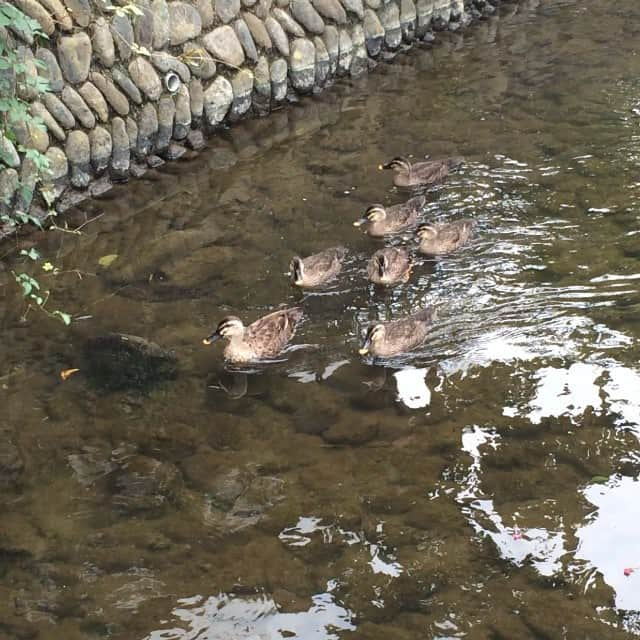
{"x":380,"y":167}
{"x":357,"y":223}
{"x":363,"y":351}
{"x":206,"y":341}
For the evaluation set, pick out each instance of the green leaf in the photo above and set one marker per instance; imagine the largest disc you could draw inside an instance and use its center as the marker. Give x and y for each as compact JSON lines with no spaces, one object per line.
{"x":108,"y":260}
{"x":33,"y":253}
{"x":599,"y":480}
{"x":65,"y":317}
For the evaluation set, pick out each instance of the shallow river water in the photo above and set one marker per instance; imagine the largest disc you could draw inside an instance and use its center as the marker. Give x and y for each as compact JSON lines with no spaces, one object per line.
{"x":484,"y":487}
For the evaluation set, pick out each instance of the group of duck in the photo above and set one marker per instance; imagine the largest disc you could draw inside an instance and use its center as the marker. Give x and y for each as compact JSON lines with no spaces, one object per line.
{"x":266,"y":338}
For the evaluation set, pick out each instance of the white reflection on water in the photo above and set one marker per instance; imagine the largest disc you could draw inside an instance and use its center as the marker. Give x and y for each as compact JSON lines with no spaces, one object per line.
{"x":226,"y":617}
{"x":613,"y":389}
{"x":300,"y":535}
{"x":608,"y":540}
{"x":413,"y":391}
{"x":537,"y":546}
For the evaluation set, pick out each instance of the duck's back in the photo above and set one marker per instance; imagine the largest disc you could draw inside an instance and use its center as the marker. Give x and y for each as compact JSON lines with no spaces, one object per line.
{"x":269,"y":335}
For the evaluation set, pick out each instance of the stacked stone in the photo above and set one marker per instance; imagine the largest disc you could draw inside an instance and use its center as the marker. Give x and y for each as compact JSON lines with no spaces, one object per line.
{"x":131,"y":87}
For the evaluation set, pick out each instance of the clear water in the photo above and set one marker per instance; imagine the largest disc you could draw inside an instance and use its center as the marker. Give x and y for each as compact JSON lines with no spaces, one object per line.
{"x":484,"y":487}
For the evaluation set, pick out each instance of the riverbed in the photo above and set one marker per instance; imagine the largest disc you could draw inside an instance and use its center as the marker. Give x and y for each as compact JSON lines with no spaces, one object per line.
{"x":484,"y":486}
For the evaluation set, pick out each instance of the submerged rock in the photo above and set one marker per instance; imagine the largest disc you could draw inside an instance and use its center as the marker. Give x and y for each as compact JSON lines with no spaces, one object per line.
{"x":121,"y":361}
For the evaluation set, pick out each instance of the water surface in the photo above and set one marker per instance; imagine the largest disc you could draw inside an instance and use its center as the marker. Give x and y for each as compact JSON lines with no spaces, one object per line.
{"x":484,"y":487}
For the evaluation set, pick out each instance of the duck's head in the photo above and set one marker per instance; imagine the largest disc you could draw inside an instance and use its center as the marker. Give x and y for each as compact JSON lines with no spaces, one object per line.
{"x":297,"y":270}
{"x":398,"y":163}
{"x":227,"y":328}
{"x":427,"y":232}
{"x":375,"y":334}
{"x":375,"y":213}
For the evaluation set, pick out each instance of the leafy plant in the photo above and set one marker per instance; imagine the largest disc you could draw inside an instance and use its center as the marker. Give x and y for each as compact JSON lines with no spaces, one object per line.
{"x":16,"y":82}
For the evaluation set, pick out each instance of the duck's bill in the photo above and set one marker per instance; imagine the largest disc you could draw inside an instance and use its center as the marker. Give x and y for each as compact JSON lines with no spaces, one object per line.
{"x":359,"y":223}
{"x":214,"y":337}
{"x":384,"y":166}
{"x":363,"y":351}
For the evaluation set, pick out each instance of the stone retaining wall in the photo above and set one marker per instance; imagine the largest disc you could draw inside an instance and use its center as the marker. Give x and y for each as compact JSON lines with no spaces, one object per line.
{"x":138,"y":81}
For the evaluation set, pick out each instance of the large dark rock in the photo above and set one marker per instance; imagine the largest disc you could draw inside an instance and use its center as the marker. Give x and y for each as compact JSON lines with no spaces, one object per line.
{"x":120,"y":361}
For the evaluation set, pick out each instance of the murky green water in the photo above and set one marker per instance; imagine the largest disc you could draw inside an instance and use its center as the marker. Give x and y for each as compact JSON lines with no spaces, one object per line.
{"x":485,"y":487}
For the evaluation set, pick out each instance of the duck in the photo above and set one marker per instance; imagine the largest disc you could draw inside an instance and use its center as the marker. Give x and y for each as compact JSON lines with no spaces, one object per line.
{"x":389,"y":266}
{"x":387,"y":339}
{"x":263,"y":339}
{"x":381,"y":221}
{"x":440,"y":239}
{"x":317,"y":269}
{"x":420,"y":174}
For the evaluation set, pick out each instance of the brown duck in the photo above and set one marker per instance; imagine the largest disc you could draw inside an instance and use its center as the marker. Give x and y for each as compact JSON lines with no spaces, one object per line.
{"x":389,"y":266}
{"x":419,"y":174}
{"x":398,"y":336}
{"x":440,"y":239}
{"x":381,"y":221}
{"x":317,"y":269}
{"x":264,"y":338}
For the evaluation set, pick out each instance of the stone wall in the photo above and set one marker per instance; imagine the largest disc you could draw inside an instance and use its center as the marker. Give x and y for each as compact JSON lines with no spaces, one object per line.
{"x":139,"y":81}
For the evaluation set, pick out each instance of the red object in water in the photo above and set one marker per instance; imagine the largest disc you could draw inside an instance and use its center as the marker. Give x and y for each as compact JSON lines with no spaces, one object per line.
{"x":628,"y":571}
{"x":517,"y":534}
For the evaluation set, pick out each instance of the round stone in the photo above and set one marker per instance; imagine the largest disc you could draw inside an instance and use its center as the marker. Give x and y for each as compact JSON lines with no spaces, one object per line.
{"x":288,"y":23}
{"x":346,"y":52}
{"x":322,"y":61}
{"x":113,"y":95}
{"x":205,"y":9}
{"x":242,"y":85}
{"x":302,"y":67}
{"x":185,"y":23}
{"x":132,"y":132}
{"x":307,"y":16}
{"x":278,"y":73}
{"x":145,"y":77}
{"x":373,"y":33}
{"x":223,"y":44}
{"x":143,"y":25}
{"x":102,"y":41}
{"x":78,"y":152}
{"x":51,"y":70}
{"x":331,"y":40}
{"x":331,"y":9}
{"x":127,"y":85}
{"x":95,"y":100}
{"x":8,"y":153}
{"x":160,"y":11}
{"x":122,"y":35}
{"x":58,"y":11}
{"x":101,"y":146}
{"x":196,"y":98}
{"x":38,"y":110}
{"x":80,"y":11}
{"x":74,"y":55}
{"x":183,"y":114}
{"x":262,"y":79}
{"x":227,"y":10}
{"x":166,"y":116}
{"x":258,"y":30}
{"x":58,"y":165}
{"x":217,"y":100}
{"x":390,"y":20}
{"x":246,"y":40}
{"x":277,"y":34}
{"x":200,"y":63}
{"x":78,"y":107}
{"x":120,"y":153}
{"x":59,"y":111}
{"x":355,"y":7}
{"x":36,"y":11}
{"x":147,"y":129}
